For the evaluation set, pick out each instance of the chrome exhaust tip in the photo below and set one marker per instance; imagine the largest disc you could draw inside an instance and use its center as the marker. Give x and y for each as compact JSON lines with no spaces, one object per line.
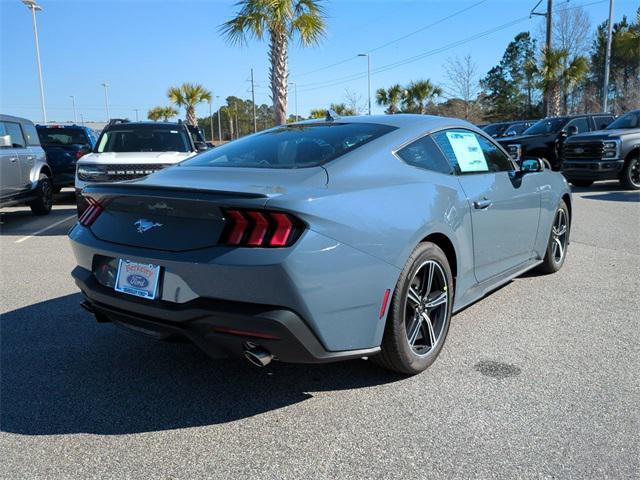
{"x":258,"y":356}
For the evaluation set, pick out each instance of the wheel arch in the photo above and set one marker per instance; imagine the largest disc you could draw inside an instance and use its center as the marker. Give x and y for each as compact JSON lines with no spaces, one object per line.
{"x":634,"y":151}
{"x":46,"y":170}
{"x":442,"y":241}
{"x":567,"y":199}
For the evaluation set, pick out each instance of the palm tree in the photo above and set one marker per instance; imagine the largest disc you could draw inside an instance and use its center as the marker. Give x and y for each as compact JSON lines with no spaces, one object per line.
{"x":555,"y":71}
{"x":418,"y":94}
{"x":342,"y":109}
{"x":318,"y":113}
{"x":188,"y":95}
{"x":282,"y":21}
{"x":389,"y":98}
{"x":164,"y":113}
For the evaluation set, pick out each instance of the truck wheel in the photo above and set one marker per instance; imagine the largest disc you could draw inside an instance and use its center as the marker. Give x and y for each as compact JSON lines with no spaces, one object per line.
{"x":581,"y":183}
{"x":630,"y":177}
{"x":44,"y":201}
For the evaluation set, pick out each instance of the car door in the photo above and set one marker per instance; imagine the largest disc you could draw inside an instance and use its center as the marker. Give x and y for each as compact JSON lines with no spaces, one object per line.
{"x":505,"y":207}
{"x":10,"y":174}
{"x":25,"y":157}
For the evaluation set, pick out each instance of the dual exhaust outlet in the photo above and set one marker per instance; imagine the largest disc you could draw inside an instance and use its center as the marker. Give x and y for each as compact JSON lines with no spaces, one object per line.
{"x":258,"y":356}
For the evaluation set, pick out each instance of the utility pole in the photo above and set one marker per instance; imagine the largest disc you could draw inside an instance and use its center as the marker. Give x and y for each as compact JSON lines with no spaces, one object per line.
{"x":82,"y":119}
{"x":73,"y":103}
{"x":548,"y":41}
{"x":106,"y":99}
{"x":34,"y":7}
{"x":136,"y":110}
{"x":368,"y":78}
{"x":210,"y":120}
{"x":295,"y":95}
{"x":219,"y":123}
{"x":253,"y":102}
{"x":607,"y":60}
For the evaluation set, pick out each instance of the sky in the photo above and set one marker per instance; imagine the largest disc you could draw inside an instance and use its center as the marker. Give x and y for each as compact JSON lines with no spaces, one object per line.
{"x":142,"y":47}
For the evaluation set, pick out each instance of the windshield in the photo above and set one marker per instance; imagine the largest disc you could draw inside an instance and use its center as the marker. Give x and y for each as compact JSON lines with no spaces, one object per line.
{"x":144,"y":139}
{"x":495,"y":129}
{"x":62,"y":136}
{"x":294,"y":146}
{"x":547,"y":125}
{"x":629,"y":120}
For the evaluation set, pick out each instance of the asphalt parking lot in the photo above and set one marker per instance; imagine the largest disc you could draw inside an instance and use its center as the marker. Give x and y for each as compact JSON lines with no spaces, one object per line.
{"x":538,"y":380}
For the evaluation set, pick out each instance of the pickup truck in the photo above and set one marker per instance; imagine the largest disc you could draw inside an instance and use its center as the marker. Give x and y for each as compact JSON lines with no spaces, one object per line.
{"x":609,"y":154}
{"x":544,"y":139}
{"x":64,"y":146}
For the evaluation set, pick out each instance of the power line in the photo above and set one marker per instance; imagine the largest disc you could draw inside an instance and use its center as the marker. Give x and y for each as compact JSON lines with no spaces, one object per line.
{"x":391,"y":42}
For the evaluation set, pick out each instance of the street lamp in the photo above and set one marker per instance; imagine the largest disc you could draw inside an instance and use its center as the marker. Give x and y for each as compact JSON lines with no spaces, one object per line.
{"x":106,"y":99}
{"x":210,"y":119}
{"x":136,"y":110}
{"x":34,"y":7}
{"x":73,"y":102}
{"x":368,"y":77}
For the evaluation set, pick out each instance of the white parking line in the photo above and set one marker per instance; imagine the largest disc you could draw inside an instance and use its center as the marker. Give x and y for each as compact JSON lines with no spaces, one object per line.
{"x":49,"y":227}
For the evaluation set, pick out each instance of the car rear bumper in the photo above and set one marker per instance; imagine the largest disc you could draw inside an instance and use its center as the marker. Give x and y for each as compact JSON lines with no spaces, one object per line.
{"x":592,"y":169}
{"x":218,"y":327}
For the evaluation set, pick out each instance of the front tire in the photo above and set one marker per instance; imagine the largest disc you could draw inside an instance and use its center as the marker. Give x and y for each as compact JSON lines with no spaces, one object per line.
{"x":420,"y":312}
{"x":558,"y":241}
{"x":630,"y":178}
{"x":44,"y":201}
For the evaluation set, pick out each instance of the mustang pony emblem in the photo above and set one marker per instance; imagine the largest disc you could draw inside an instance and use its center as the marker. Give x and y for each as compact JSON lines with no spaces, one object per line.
{"x":143,"y":225}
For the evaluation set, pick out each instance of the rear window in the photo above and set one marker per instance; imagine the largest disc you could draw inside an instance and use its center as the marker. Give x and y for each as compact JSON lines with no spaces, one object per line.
{"x":293,"y":146}
{"x":144,"y":139}
{"x":51,"y":137}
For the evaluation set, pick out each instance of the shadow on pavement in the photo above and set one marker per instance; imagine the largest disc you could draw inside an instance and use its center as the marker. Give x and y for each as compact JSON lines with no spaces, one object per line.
{"x":63,"y":373}
{"x":621,"y":196}
{"x":21,"y":221}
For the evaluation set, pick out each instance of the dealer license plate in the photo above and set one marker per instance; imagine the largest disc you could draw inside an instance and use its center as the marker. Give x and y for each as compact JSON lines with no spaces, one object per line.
{"x":139,"y":279}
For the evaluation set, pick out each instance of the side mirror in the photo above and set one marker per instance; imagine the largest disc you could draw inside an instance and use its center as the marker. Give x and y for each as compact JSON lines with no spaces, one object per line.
{"x":5,"y":141}
{"x":530,"y":165}
{"x":201,"y":146}
{"x":510,"y":133}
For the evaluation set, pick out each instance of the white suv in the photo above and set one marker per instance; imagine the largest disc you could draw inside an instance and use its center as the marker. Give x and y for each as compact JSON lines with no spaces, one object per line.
{"x":128,"y":150}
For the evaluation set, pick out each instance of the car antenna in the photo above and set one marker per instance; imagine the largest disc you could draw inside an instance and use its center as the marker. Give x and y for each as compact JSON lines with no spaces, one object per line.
{"x":331,"y":116}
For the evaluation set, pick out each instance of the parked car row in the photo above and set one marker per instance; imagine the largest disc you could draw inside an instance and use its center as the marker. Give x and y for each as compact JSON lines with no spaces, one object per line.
{"x":585,"y":147}
{"x":37,"y":161}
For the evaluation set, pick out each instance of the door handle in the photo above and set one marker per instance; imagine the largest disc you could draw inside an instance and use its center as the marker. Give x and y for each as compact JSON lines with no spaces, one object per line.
{"x":482,"y":204}
{"x":13,"y":159}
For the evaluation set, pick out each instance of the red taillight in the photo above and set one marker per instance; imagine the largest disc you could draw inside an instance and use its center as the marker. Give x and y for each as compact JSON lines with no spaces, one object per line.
{"x":91,"y":214}
{"x":260,"y":228}
{"x":80,"y":154}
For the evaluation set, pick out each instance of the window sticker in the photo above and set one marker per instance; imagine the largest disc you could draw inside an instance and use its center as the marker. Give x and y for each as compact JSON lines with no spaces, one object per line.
{"x":468,"y":152}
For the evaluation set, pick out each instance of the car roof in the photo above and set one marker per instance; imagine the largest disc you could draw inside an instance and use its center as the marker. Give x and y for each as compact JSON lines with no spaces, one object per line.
{"x":399,"y":120}
{"x":11,"y":118}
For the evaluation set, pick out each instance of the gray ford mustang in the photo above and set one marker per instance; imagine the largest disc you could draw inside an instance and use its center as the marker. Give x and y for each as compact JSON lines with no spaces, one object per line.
{"x":322,"y":240}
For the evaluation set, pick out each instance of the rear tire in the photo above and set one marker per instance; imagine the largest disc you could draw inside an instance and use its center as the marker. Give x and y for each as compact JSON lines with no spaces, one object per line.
{"x":630,"y":177}
{"x":44,"y":201}
{"x":419,"y":314}
{"x":581,"y":183}
{"x":558,"y":241}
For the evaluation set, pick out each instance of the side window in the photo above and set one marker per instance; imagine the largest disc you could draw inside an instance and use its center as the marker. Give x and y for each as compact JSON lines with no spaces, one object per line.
{"x":31,"y":134}
{"x":470,"y":153}
{"x":581,"y":123}
{"x":602,"y":121}
{"x":15,"y":131}
{"x":424,"y":153}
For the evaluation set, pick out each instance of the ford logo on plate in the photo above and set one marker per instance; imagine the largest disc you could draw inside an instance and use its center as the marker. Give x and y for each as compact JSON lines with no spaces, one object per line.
{"x":137,"y":281}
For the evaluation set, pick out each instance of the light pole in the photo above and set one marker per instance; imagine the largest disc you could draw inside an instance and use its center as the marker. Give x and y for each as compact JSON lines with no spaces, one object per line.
{"x":368,"y":77}
{"x":73,"y":103}
{"x":136,"y":110}
{"x":210,"y":120}
{"x":295,"y":95}
{"x":607,"y":60}
{"x":219,"y":124}
{"x":106,"y":99}
{"x":34,"y":7}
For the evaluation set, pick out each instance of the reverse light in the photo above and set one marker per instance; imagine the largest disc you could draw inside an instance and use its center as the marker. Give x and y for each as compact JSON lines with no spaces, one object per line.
{"x":260,"y":228}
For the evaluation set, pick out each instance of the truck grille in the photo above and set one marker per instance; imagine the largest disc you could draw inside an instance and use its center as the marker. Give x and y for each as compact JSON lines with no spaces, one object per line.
{"x":582,"y":150}
{"x":115,"y":173}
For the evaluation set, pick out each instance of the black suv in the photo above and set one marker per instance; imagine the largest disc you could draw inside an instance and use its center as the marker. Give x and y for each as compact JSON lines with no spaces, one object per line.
{"x":544,"y":139}
{"x":508,"y":129}
{"x":609,"y":154}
